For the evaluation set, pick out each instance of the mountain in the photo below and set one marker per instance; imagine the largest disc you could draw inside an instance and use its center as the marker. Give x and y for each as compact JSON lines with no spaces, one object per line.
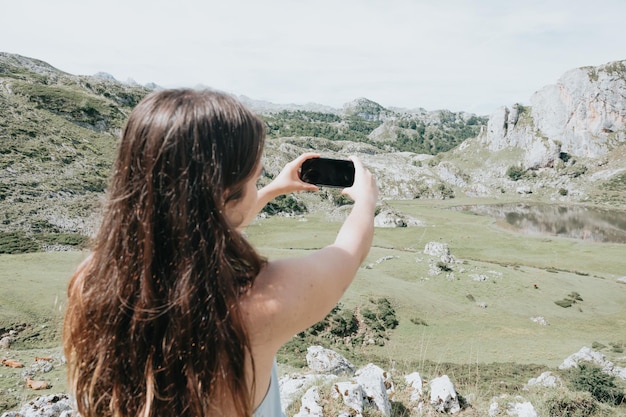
{"x":58,"y":134}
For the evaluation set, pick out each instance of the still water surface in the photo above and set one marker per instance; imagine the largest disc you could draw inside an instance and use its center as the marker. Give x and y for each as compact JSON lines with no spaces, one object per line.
{"x":578,"y":222}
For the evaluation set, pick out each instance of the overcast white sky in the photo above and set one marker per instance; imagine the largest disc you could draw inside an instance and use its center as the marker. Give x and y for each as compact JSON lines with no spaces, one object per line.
{"x":459,"y":55}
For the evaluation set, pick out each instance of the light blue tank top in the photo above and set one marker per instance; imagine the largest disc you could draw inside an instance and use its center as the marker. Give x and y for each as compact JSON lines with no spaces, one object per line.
{"x":270,"y":406}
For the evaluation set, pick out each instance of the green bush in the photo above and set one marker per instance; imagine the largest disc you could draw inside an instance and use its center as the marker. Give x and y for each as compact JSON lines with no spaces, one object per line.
{"x":344,"y":324}
{"x":418,"y":321}
{"x":565,"y":303}
{"x":384,"y":317}
{"x":515,"y":172}
{"x":600,"y":385}
{"x":66,"y":239}
{"x":17,"y":242}
{"x":571,"y":299}
{"x":286,"y":203}
{"x":571,"y":404}
{"x":443,"y":266}
{"x":597,"y":346}
{"x":445,"y":191}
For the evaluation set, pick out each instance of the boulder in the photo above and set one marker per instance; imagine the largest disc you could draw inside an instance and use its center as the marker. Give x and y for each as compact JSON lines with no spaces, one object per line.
{"x":439,"y":250}
{"x":388,"y":217}
{"x":546,"y":379}
{"x":310,"y":404}
{"x":524,"y":409}
{"x":326,"y":361}
{"x":414,"y":382}
{"x":540,"y":320}
{"x":294,"y":385}
{"x":586,"y":354}
{"x":372,"y":380}
{"x":443,"y":396}
{"x":5,"y":342}
{"x":352,"y":395}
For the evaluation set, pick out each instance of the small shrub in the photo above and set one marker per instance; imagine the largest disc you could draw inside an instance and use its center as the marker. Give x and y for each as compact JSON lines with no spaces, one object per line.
{"x":65,"y":239}
{"x":285,"y":204}
{"x":445,"y":191}
{"x":515,"y":172}
{"x":565,"y":303}
{"x":575,"y":171}
{"x":344,"y":324}
{"x":418,"y":321}
{"x":599,"y":384}
{"x":17,"y":242}
{"x":571,"y":404}
{"x":563,"y":191}
{"x":443,"y":266}
{"x":575,"y":296}
{"x":571,"y":299}
{"x":597,"y":346}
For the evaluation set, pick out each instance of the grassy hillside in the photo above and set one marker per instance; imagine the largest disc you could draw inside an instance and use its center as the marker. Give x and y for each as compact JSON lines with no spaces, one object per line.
{"x":58,"y":133}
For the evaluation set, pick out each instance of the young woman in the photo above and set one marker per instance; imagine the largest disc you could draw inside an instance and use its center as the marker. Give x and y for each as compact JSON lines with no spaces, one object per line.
{"x":174,"y":313}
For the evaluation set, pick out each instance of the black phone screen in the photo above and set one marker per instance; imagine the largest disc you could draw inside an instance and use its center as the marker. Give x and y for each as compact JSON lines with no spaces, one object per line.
{"x":328,"y":172}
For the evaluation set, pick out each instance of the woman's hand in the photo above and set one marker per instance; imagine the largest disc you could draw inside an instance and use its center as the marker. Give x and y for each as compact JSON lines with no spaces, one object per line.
{"x":288,"y":180}
{"x":364,"y":188}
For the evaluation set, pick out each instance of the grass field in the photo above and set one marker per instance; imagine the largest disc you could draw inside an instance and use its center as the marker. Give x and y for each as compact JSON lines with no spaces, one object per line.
{"x":523,"y":277}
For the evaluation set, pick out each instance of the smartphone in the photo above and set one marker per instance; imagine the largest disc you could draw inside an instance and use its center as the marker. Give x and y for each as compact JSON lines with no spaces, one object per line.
{"x":327,"y":172}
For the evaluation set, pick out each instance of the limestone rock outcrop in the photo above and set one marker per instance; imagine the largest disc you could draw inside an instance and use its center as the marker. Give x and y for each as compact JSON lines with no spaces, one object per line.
{"x":582,"y":115}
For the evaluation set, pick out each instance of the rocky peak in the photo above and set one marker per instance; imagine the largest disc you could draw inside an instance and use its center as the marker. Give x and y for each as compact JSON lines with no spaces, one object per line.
{"x":14,"y":61}
{"x":366,"y":109}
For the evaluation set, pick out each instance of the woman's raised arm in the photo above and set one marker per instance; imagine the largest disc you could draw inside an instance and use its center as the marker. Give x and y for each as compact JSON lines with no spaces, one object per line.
{"x":292,"y":294}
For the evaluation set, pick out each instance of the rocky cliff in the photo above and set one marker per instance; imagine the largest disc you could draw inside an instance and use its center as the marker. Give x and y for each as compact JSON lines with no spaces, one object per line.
{"x":582,"y":115}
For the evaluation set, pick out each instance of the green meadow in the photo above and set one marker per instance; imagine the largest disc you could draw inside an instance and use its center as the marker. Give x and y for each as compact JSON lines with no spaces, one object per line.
{"x":450,"y":318}
{"x":526,"y":275}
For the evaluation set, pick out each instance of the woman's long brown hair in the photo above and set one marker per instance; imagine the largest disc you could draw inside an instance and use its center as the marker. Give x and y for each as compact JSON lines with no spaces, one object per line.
{"x":152,"y":326}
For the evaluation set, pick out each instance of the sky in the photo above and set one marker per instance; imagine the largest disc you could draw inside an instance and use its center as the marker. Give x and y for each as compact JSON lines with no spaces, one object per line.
{"x":473,"y":56}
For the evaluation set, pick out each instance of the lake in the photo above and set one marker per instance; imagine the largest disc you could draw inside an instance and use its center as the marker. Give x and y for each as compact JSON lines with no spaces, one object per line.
{"x":578,"y":222}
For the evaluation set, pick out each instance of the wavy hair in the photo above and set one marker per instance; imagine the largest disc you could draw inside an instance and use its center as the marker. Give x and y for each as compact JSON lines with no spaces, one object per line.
{"x":152,"y":326}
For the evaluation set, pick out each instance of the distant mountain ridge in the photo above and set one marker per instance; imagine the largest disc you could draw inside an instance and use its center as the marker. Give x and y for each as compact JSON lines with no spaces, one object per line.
{"x":58,"y":133}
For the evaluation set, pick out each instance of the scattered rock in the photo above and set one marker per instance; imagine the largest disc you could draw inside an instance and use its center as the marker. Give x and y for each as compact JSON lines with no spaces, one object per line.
{"x":372,"y":380}
{"x":414,"y":381}
{"x":524,"y":409}
{"x":586,"y":354}
{"x":389,"y":217}
{"x":443,"y":396}
{"x":5,"y":342}
{"x":352,"y":395}
{"x":546,"y":379}
{"x":479,"y":277}
{"x":540,"y":320}
{"x":326,"y":361}
{"x":55,"y":405}
{"x":310,"y":404}
{"x":292,"y":386}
